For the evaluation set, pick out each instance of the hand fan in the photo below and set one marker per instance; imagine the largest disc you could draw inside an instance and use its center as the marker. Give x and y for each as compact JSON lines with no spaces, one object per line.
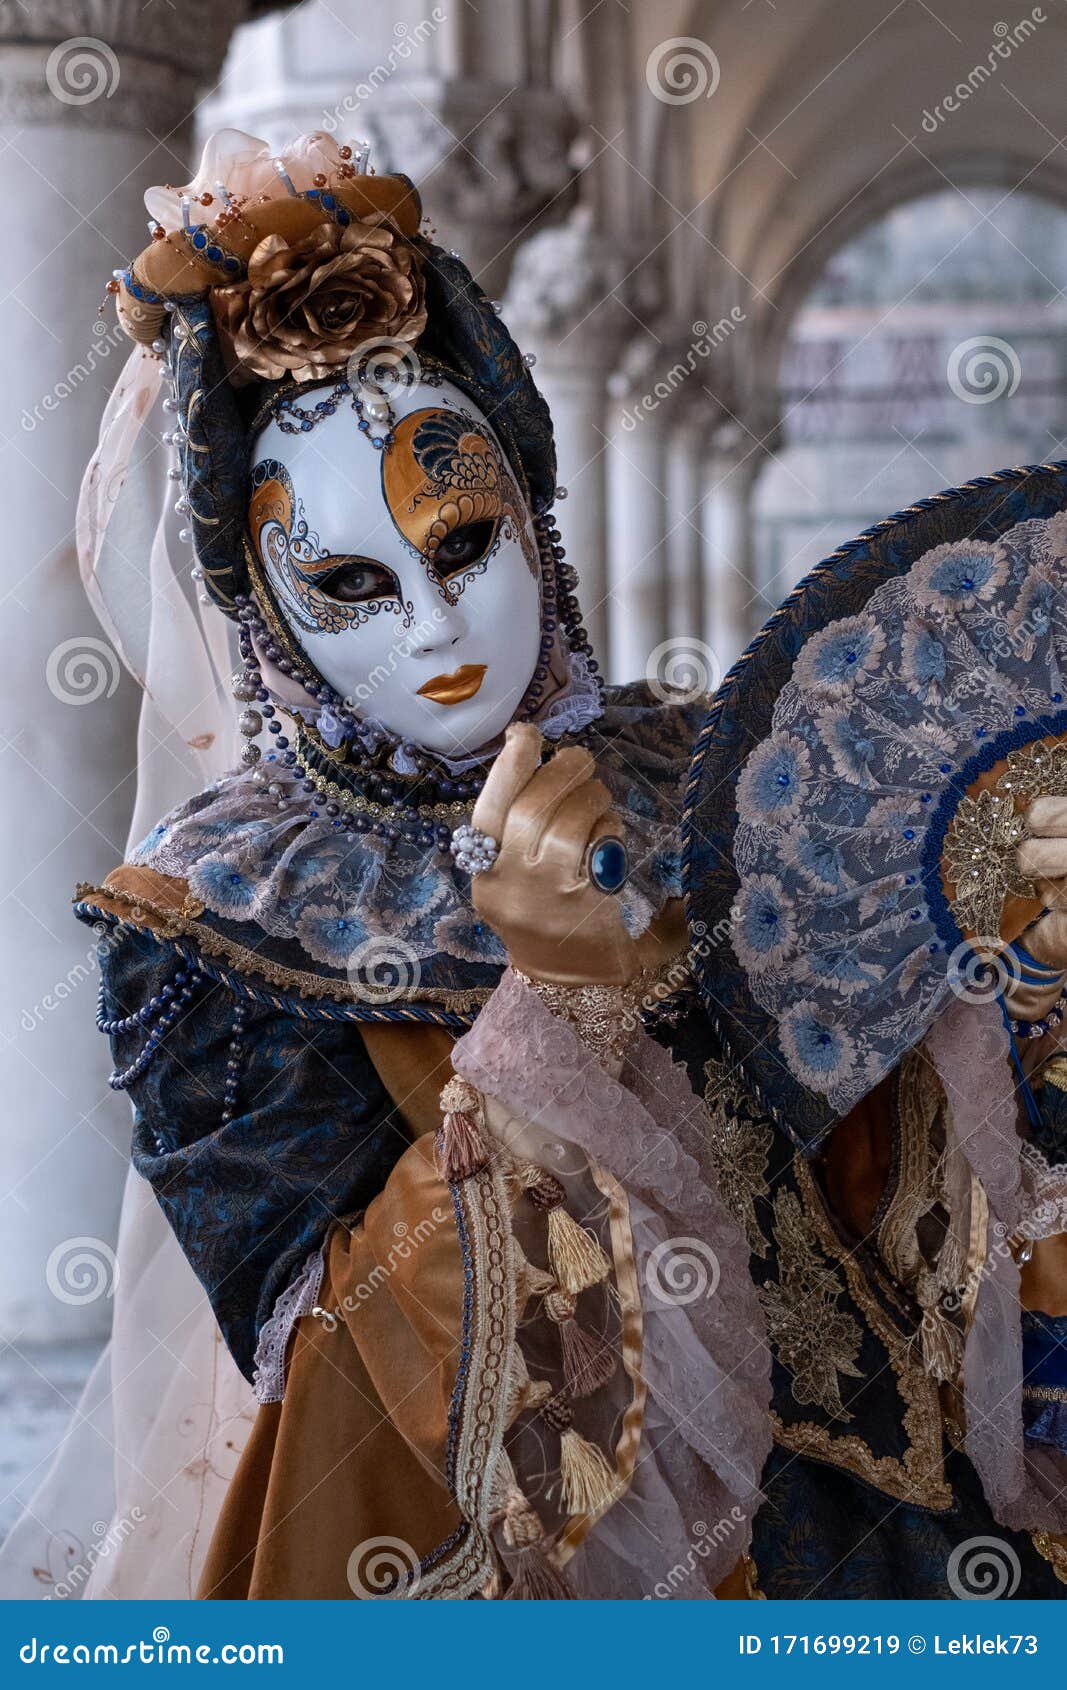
{"x":880,"y":817}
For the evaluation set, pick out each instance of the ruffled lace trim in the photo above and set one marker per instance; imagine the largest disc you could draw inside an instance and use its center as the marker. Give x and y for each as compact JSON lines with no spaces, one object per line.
{"x":1045,"y":1185}
{"x":297,"y":1300}
{"x":1026,"y":1488}
{"x":364,"y":907}
{"x":706,"y":1360}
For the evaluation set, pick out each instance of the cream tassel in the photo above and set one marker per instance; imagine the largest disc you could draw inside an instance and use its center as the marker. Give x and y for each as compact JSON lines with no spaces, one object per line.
{"x":523,"y":1392}
{"x":522,"y":1523}
{"x":941,"y":1347}
{"x":577,"y":1259}
{"x":461,"y":1146}
{"x":588,"y":1481}
{"x":530,"y":1280}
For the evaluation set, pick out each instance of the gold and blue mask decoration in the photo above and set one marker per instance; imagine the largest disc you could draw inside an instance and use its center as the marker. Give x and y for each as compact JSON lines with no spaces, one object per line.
{"x":857,"y":791}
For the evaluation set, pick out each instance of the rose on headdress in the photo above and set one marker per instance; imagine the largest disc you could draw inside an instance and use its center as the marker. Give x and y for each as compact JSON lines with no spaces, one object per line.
{"x":307,"y":305}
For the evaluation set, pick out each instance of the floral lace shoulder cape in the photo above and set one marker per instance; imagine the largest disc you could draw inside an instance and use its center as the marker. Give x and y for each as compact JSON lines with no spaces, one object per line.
{"x":358,"y":918}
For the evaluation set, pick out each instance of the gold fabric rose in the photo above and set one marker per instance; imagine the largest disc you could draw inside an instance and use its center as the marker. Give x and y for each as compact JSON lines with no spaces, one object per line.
{"x":306,"y":306}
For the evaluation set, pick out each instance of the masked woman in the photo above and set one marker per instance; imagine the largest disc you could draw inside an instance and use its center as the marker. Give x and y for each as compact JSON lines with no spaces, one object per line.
{"x":499,"y":1323}
{"x":473,"y":1146}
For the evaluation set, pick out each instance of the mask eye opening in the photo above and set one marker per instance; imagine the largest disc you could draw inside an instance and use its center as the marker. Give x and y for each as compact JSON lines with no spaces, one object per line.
{"x":354,"y":580}
{"x":465,"y":547}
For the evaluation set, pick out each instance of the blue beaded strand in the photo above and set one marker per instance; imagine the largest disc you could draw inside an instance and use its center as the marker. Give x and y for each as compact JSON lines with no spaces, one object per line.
{"x":154,"y":1018}
{"x":233,"y":1062}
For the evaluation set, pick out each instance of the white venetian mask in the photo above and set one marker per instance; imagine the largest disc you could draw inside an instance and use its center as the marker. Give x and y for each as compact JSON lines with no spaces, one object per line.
{"x":409,"y":575}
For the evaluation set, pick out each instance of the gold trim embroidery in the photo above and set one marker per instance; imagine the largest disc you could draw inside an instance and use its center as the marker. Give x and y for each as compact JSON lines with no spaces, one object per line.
{"x":919,"y":1478}
{"x":1054,"y":1549}
{"x":978,"y":859}
{"x":816,"y":1341}
{"x":741,"y":1142}
{"x":483,"y":1412}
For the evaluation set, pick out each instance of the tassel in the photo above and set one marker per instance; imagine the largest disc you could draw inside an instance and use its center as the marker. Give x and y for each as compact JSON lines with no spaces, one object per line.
{"x":522,"y":1525}
{"x":530,"y":1280}
{"x":543,"y":1189}
{"x":588,"y":1363}
{"x":535,"y":1579}
{"x":461,"y":1148}
{"x":588,"y":1482}
{"x":941,"y":1347}
{"x":501,"y":1485}
{"x":577,"y":1259}
{"x":523,"y":1392}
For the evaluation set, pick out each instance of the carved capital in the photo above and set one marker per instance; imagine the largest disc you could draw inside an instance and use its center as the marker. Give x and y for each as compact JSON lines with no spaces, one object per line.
{"x":480,"y":153}
{"x":562,"y":290}
{"x":111,"y":63}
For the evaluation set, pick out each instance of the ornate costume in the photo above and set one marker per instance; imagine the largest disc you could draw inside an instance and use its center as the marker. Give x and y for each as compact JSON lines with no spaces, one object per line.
{"x":532,"y":1218}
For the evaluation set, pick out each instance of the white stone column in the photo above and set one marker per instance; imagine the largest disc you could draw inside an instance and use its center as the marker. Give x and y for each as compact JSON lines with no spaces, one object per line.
{"x":637,"y":527}
{"x":75,"y":159}
{"x":731,"y":613}
{"x":686,"y":459}
{"x":559,"y":307}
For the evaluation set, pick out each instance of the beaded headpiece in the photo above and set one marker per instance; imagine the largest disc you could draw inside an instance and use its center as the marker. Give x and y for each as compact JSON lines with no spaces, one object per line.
{"x":227,"y":292}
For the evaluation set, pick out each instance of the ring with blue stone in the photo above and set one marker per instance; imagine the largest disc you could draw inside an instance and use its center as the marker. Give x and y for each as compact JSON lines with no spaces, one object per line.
{"x":608,"y":864}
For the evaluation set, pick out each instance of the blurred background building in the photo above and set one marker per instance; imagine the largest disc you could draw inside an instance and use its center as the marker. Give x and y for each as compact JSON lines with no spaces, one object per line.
{"x":784,"y":269}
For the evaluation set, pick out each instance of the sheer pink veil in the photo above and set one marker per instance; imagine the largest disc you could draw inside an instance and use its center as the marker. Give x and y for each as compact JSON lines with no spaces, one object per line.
{"x":137,"y":572}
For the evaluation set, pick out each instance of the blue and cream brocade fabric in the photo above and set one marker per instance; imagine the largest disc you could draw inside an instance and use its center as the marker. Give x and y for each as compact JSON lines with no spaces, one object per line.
{"x":311,"y":1140}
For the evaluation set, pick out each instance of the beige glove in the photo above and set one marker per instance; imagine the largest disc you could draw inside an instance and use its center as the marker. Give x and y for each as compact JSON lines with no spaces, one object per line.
{"x":537,"y":897}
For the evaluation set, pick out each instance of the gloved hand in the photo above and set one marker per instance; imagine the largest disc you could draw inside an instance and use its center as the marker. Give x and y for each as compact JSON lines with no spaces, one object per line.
{"x":555,"y":924}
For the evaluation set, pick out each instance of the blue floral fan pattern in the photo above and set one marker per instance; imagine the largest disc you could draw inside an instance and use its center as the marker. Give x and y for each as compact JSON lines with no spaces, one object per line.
{"x":841,"y":923}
